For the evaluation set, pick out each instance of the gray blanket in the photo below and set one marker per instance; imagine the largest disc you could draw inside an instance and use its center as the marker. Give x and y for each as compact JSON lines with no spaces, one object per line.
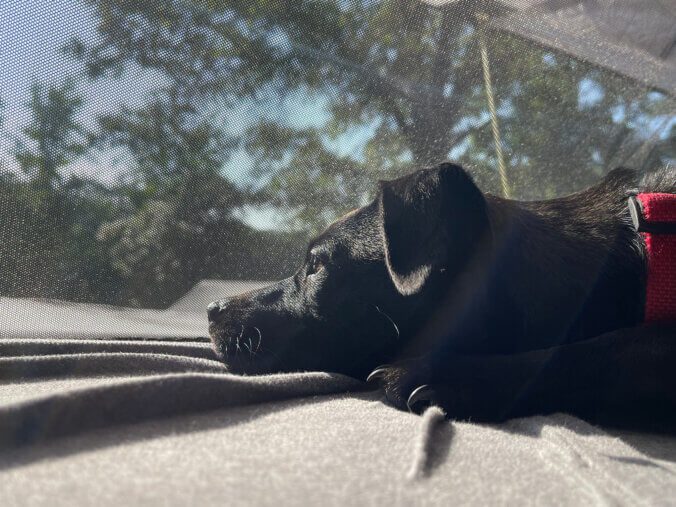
{"x":103,"y":406}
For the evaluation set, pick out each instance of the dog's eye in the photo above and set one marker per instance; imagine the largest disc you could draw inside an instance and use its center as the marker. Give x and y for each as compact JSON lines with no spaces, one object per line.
{"x":315,"y":264}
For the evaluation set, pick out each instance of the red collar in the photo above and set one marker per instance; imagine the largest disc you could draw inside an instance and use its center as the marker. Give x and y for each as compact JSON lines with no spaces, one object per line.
{"x":654,"y":216}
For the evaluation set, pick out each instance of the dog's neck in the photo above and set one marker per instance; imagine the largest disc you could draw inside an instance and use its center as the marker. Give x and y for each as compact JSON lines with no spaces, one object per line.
{"x":573,"y":263}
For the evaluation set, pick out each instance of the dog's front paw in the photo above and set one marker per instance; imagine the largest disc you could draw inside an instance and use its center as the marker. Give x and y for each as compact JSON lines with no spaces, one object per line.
{"x":406,"y":385}
{"x":464,"y":389}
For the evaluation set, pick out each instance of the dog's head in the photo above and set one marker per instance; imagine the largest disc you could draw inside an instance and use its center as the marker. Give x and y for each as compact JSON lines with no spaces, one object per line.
{"x":368,"y":285}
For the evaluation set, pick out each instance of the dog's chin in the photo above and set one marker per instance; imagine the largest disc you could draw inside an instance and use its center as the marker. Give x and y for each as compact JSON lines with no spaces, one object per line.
{"x":241,"y":358}
{"x":243,"y":366}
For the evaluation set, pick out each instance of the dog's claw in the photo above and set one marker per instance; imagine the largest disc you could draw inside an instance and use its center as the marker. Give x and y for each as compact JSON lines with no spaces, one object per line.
{"x":420,"y":393}
{"x":377,"y":373}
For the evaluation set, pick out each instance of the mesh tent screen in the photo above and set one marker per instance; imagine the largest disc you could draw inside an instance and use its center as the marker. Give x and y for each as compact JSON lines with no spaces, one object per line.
{"x":156,"y":155}
{"x":148,"y":147}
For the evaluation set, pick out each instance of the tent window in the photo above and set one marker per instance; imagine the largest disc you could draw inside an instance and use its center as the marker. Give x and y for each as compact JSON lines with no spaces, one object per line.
{"x":149,"y":146}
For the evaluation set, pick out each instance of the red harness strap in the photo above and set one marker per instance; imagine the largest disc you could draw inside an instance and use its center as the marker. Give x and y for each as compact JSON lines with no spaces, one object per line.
{"x":656,"y":220}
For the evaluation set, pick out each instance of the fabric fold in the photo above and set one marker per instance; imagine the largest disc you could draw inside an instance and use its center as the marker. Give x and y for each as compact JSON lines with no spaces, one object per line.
{"x":140,"y":399}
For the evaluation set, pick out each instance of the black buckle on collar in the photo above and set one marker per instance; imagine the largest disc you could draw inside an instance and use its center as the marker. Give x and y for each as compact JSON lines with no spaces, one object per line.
{"x":643,"y":225}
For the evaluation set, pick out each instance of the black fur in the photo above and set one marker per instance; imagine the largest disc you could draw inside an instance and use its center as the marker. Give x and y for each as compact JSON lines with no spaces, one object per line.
{"x":501,"y":308}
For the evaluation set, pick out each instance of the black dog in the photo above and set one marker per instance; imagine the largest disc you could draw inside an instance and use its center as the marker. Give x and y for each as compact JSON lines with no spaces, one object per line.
{"x":488,"y":307}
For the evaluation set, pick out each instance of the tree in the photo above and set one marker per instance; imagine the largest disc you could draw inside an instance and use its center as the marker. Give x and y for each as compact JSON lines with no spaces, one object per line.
{"x":226,"y":51}
{"x":40,"y":254}
{"x":176,"y":226}
{"x":53,"y":138}
{"x":402,"y":74}
{"x":174,"y":197}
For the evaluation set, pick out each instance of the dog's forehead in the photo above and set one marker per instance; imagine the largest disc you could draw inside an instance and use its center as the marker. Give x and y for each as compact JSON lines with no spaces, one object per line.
{"x":356,"y":233}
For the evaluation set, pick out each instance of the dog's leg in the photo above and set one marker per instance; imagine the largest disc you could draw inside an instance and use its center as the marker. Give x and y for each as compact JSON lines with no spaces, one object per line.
{"x":627,"y":375}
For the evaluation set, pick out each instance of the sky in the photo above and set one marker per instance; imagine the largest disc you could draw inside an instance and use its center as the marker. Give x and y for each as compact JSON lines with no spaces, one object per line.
{"x":32,"y":35}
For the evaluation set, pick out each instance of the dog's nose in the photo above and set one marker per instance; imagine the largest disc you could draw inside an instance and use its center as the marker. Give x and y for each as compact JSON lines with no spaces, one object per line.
{"x":214,"y":310}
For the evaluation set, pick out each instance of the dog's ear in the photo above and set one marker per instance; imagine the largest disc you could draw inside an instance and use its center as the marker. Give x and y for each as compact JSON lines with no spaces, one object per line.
{"x":430,"y":220}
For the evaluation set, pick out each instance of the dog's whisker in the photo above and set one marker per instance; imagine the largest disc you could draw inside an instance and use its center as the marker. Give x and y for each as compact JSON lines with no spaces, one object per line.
{"x":241,"y":333}
{"x":396,"y":328}
{"x":260,"y":338}
{"x":245,"y":345}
